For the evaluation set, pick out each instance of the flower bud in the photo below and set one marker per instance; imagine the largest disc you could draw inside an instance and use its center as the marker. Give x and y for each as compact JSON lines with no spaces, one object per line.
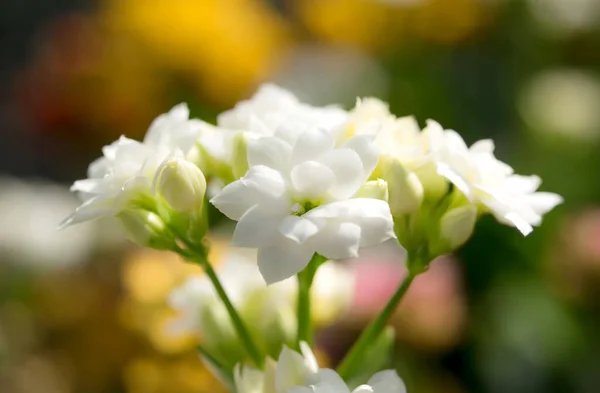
{"x":405,"y":189}
{"x":182,"y":185}
{"x":239,"y":164}
{"x":146,"y":229}
{"x":376,"y":189}
{"x":456,"y":226}
{"x":434,"y":185}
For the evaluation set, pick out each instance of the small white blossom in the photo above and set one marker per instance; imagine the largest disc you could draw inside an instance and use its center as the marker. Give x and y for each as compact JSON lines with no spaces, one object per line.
{"x":296,"y":373}
{"x":328,"y":381}
{"x":435,"y":154}
{"x":295,"y":201}
{"x":291,"y":369}
{"x":128,"y":167}
{"x":272,"y":107}
{"x":484,"y":179}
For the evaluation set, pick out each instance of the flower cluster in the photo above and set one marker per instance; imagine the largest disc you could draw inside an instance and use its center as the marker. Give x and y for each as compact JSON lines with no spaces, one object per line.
{"x":305,"y":185}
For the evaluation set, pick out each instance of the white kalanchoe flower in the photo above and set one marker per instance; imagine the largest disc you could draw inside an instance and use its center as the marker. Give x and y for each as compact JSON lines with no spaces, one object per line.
{"x":328,"y":381}
{"x":485,"y":180}
{"x":128,"y":167}
{"x":434,"y":154}
{"x":296,"y":373}
{"x":296,"y":201}
{"x":291,"y":369}
{"x":272,"y":107}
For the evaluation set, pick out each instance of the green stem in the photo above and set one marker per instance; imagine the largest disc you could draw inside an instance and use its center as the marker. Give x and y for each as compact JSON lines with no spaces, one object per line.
{"x":370,"y":334}
{"x":219,"y":368}
{"x":305,"y":279}
{"x":198,"y":255}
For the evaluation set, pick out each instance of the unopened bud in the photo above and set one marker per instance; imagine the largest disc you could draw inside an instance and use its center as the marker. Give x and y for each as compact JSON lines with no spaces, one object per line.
{"x":146,"y":229}
{"x":405,"y":188}
{"x":182,"y":185}
{"x":434,"y":185}
{"x":376,"y":189}
{"x":457,"y":225}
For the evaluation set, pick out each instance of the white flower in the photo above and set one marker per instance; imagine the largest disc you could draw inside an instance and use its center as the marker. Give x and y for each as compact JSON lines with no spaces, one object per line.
{"x":291,"y":369}
{"x":272,"y":107}
{"x":328,"y":381}
{"x":484,"y":179}
{"x":368,"y":117}
{"x":295,"y":373}
{"x":295,"y":201}
{"x":128,"y":167}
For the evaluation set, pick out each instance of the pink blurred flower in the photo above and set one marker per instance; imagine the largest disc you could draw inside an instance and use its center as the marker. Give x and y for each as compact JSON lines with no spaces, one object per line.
{"x":433,"y":313}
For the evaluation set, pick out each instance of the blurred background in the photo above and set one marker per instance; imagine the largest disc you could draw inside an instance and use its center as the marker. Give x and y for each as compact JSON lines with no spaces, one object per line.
{"x":81,"y":310}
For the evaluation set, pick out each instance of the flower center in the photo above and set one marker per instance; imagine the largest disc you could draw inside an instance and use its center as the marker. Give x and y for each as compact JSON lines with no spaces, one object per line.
{"x":300,"y":208}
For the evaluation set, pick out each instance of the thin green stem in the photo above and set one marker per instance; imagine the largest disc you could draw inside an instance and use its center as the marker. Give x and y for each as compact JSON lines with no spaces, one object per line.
{"x":305,"y":279}
{"x":223,"y":373}
{"x":198,"y":255}
{"x":370,"y":334}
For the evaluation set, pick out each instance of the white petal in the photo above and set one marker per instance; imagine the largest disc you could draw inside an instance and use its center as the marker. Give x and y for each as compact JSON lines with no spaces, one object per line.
{"x":86,"y":185}
{"x":517,"y":184}
{"x":328,"y":381}
{"x":298,"y":229}
{"x":269,"y":151}
{"x":258,"y":227}
{"x":455,"y":178}
{"x":433,"y":136}
{"x":351,"y":210}
{"x":269,"y":376}
{"x":367,"y":151}
{"x":373,"y":216}
{"x":311,"y":144}
{"x":337,"y":240}
{"x":483,"y":146}
{"x":247,"y":379}
{"x":312,"y":179}
{"x":91,"y":209}
{"x":300,"y":389}
{"x":455,"y":142}
{"x":179,"y":112}
{"x":348,"y":169}
{"x":519,"y":222}
{"x":282,"y":261}
{"x":291,"y":370}
{"x":543,"y":202}
{"x":309,"y":357}
{"x":387,"y":381}
{"x":99,"y":168}
{"x":260,"y":185}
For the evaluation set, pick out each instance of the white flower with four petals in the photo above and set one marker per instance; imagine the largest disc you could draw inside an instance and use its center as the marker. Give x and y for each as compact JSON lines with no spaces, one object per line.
{"x":296,"y":200}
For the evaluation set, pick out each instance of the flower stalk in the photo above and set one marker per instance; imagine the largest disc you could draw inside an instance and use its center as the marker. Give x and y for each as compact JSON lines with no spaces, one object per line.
{"x":305,"y":280}
{"x":373,"y":330}
{"x":197,"y":254}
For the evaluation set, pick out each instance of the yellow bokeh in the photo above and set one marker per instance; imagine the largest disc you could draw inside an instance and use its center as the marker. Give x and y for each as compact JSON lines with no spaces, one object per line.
{"x":375,"y":26}
{"x":227,"y":46}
